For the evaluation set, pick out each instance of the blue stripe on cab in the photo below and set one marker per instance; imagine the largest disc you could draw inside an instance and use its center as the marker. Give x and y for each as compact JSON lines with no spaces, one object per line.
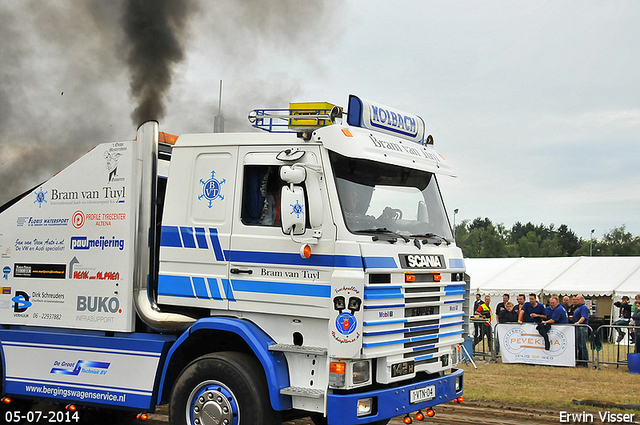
{"x":200,"y":287}
{"x":456,"y":263}
{"x":374,"y":293}
{"x":201,"y":238}
{"x":217,"y":249}
{"x":214,"y":289}
{"x":175,"y":286}
{"x":380,"y":263}
{"x":170,"y":237}
{"x":187,"y":237}
{"x":282,"y":288}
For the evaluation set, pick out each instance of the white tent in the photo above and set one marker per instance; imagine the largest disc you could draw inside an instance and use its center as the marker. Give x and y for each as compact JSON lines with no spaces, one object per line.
{"x":594,"y":276}
{"x":528,"y":275}
{"x":589,"y":276}
{"x":630,"y":287}
{"x":481,"y":270}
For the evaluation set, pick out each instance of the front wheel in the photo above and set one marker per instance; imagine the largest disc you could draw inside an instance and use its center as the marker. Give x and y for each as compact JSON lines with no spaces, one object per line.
{"x":222,"y":389}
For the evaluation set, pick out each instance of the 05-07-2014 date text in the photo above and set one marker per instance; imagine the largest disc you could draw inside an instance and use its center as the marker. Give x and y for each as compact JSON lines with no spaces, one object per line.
{"x":41,"y":417}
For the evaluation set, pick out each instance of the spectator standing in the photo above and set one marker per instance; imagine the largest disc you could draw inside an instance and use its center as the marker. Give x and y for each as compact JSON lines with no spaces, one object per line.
{"x":555,"y":313}
{"x":531,"y":306}
{"x":501,"y":306}
{"x":581,"y":318}
{"x":509,"y":314}
{"x":569,"y":309}
{"x":625,"y":316}
{"x":566,"y":303}
{"x":484,"y":311}
{"x":520,"y":299}
{"x":635,"y":318}
{"x":477,"y":327}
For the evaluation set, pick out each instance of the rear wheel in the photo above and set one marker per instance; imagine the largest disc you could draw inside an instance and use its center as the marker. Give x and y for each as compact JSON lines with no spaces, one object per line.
{"x":222,"y":389}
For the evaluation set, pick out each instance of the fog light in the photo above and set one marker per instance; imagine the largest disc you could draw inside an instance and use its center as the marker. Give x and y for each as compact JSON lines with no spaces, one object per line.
{"x":361,"y":372}
{"x":337,"y":374}
{"x":459,"y":384}
{"x":365,"y":406}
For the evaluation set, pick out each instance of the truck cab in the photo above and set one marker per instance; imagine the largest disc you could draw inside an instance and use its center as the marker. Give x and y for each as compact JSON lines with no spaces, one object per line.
{"x":334,"y":240}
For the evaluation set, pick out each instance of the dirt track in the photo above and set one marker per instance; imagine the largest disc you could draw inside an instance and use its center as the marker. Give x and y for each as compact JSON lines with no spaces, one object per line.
{"x":470,"y":412}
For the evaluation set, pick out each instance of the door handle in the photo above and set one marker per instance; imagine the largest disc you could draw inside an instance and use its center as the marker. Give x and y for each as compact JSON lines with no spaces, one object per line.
{"x":238,"y":271}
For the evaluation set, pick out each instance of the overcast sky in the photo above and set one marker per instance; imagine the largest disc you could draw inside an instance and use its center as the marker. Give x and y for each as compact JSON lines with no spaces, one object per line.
{"x":534,"y":104}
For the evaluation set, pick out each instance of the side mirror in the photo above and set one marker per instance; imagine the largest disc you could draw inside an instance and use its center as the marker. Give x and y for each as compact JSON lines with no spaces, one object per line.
{"x":292,"y":210}
{"x":293,"y":174}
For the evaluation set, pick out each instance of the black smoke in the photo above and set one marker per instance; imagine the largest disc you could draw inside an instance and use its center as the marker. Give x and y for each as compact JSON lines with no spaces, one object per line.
{"x":155,"y":32}
{"x":74,"y":74}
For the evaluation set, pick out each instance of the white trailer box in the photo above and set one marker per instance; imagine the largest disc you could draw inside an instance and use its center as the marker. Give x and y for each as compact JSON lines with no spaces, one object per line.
{"x":67,"y":247}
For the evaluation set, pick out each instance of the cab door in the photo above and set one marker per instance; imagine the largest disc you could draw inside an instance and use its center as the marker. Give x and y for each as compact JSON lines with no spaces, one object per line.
{"x":267,"y":272}
{"x":196,"y":228}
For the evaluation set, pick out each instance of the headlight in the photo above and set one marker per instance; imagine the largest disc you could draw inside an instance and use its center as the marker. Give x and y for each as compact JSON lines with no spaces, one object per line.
{"x":365,"y":406}
{"x":361,"y":371}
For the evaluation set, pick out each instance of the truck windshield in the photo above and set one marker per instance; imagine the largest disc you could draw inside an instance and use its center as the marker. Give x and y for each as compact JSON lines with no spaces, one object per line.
{"x":381,"y":198}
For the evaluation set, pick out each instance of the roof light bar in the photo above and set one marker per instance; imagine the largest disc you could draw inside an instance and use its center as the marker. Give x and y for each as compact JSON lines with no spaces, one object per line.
{"x":375,"y":116}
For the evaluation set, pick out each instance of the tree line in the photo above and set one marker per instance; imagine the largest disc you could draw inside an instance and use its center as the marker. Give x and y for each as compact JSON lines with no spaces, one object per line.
{"x":480,"y":238}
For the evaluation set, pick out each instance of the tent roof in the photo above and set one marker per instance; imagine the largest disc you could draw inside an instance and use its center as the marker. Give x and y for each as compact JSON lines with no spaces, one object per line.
{"x":595,"y":276}
{"x":529,"y":275}
{"x":480,"y":270}
{"x":599,"y":276}
{"x":630,"y":287}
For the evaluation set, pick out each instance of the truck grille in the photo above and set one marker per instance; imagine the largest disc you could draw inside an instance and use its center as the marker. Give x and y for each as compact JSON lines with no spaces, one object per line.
{"x":411,"y":320}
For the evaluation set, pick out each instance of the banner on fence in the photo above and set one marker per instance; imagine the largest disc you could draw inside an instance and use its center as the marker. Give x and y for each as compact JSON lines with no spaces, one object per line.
{"x":524,"y":344}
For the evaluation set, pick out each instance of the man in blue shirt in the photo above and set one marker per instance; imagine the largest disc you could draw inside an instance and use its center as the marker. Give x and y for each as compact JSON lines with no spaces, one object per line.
{"x":555,"y":313}
{"x":581,"y":320}
{"x":533,"y":306}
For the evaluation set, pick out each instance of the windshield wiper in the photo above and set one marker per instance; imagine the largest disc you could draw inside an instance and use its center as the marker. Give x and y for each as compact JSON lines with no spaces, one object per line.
{"x":385,"y":231}
{"x":432,"y":236}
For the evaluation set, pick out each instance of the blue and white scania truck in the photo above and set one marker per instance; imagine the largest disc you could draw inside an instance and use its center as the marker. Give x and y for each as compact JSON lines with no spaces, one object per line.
{"x":244,"y":279}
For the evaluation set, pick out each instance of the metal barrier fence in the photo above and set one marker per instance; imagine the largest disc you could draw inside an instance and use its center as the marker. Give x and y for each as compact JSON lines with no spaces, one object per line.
{"x":603,"y":350}
{"x":614,"y":350}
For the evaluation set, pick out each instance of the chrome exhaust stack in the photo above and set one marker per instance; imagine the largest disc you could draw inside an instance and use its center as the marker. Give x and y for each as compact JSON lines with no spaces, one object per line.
{"x":146,"y":169}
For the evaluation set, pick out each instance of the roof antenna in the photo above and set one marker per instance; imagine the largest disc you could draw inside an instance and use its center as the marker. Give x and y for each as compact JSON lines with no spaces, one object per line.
{"x":218,"y":120}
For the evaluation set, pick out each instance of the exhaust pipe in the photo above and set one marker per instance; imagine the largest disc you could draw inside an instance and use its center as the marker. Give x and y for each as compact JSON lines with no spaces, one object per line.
{"x":146,"y":307}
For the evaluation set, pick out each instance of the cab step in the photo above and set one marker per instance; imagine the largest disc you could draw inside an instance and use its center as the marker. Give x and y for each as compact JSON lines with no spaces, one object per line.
{"x":299,"y":349}
{"x":302,"y":392}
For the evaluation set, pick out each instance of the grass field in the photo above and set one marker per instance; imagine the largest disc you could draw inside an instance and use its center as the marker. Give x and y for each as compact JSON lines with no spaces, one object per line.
{"x":551,"y":386}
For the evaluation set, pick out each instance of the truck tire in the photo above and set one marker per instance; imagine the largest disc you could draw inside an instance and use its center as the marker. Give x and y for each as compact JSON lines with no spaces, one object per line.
{"x":225,"y":388}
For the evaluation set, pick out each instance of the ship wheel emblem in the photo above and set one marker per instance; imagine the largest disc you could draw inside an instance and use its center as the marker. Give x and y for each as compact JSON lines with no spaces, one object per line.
{"x":212,"y":189}
{"x":40,"y":197}
{"x":297,"y":209}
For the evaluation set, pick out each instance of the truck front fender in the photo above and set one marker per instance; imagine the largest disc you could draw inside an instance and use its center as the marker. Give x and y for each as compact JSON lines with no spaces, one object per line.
{"x":273,"y":363}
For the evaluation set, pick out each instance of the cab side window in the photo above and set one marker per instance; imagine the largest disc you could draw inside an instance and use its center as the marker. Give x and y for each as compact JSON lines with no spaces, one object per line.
{"x":261,"y":195}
